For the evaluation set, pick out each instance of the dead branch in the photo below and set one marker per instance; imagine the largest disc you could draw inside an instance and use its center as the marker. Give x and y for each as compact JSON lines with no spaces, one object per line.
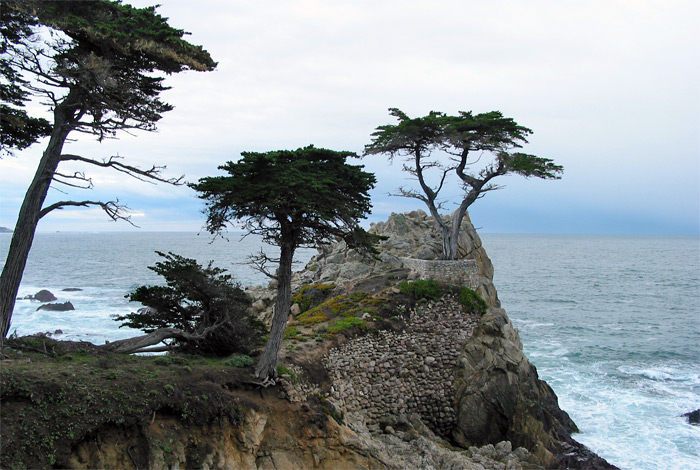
{"x":148,"y":176}
{"x":113,"y":209}
{"x":259,"y":262}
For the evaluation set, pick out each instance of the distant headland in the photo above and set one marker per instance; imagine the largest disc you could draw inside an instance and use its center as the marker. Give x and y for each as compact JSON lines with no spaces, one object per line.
{"x":5,"y":230}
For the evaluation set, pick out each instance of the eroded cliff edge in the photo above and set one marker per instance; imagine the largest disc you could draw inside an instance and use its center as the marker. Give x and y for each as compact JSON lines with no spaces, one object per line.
{"x":411,"y":385}
{"x":464,"y":376}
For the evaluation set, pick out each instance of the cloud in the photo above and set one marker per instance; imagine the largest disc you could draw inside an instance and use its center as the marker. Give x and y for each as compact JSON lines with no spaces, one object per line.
{"x":610,"y":89}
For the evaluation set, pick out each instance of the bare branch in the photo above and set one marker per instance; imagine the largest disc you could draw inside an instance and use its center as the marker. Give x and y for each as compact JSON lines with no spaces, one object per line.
{"x":78,"y":175}
{"x":259,"y":262}
{"x":113,"y":209}
{"x":412,"y":193}
{"x":148,"y":176}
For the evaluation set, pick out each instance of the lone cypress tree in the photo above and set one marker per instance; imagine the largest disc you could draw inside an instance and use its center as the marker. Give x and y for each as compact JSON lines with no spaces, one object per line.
{"x":444,"y":144}
{"x":291,"y":198}
{"x":101,"y":74}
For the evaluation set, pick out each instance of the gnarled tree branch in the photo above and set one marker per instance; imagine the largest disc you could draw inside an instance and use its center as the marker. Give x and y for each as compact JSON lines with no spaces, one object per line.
{"x":150,"y":175}
{"x":113,"y":209}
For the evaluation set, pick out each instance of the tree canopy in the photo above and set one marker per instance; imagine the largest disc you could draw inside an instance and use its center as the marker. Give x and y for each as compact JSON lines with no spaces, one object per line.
{"x":17,"y":129}
{"x":98,"y":67}
{"x":291,"y":198}
{"x":456,"y":144}
{"x":201,"y":307}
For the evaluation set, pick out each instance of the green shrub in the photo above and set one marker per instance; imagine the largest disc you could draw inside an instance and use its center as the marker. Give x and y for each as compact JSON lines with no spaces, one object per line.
{"x":196,"y":298}
{"x":420,"y":289}
{"x":239,"y":360}
{"x":472,"y":301}
{"x":281,"y":370}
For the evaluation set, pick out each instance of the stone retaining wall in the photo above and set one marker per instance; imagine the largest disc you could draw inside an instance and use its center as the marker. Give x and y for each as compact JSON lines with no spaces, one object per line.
{"x":395,"y":373}
{"x":463,"y":272}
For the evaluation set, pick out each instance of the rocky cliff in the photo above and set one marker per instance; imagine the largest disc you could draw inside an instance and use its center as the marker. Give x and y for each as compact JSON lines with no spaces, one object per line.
{"x":465,"y":377}
{"x":375,"y":379}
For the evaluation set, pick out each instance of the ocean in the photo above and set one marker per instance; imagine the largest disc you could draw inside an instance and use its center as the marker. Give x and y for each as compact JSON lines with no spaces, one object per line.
{"x":611,"y":322}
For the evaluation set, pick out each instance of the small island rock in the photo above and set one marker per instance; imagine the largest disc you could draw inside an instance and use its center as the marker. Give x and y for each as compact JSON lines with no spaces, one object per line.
{"x":693,"y":417}
{"x":64,"y":307}
{"x":44,"y":296}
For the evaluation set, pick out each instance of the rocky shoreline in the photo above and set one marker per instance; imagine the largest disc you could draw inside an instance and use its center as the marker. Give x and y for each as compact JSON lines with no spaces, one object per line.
{"x":465,"y":379}
{"x":408,"y":383}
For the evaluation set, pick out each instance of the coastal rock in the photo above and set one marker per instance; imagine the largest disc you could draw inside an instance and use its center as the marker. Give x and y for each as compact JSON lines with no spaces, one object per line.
{"x":409,"y":236}
{"x":44,"y":296}
{"x":64,"y":307}
{"x":71,"y":289}
{"x":693,"y":417}
{"x":499,"y":396}
{"x":494,"y":394}
{"x":280,"y":438}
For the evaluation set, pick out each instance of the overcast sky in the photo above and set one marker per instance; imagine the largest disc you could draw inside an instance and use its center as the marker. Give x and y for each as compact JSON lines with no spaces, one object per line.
{"x":610,"y":89}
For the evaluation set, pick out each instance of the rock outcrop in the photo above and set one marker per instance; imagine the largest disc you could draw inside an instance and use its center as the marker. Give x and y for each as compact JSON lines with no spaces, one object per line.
{"x":500,"y":397}
{"x":411,"y":238}
{"x":485,"y":393}
{"x":42,"y":296}
{"x":57,"y":307}
{"x":446,"y":388}
{"x":693,"y":417}
{"x":283,"y":438}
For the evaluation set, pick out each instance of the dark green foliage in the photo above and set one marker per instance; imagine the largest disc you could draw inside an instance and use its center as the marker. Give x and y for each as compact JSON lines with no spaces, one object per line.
{"x":107,"y":62}
{"x":291,"y":198}
{"x":17,"y":129}
{"x":421,"y":289}
{"x":457,"y":144}
{"x":99,"y":67}
{"x":458,"y":136}
{"x":430,"y":289}
{"x":309,"y":195}
{"x":472,"y":301}
{"x":239,"y":360}
{"x":197,"y":300}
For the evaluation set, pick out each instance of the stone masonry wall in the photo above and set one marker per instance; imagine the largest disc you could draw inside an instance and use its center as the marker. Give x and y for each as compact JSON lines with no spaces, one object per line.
{"x":407,"y":372}
{"x":460,"y":273}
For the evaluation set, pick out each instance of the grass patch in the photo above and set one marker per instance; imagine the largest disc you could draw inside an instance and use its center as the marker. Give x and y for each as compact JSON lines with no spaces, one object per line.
{"x":291,"y":332}
{"x":341,"y":306}
{"x":345,"y":324}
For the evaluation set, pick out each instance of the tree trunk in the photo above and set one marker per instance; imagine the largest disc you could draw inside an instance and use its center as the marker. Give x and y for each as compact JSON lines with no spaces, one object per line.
{"x":267,"y":362}
{"x":449,"y":242}
{"x":452,"y":252}
{"x":140,"y":343}
{"x":27,"y":221}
